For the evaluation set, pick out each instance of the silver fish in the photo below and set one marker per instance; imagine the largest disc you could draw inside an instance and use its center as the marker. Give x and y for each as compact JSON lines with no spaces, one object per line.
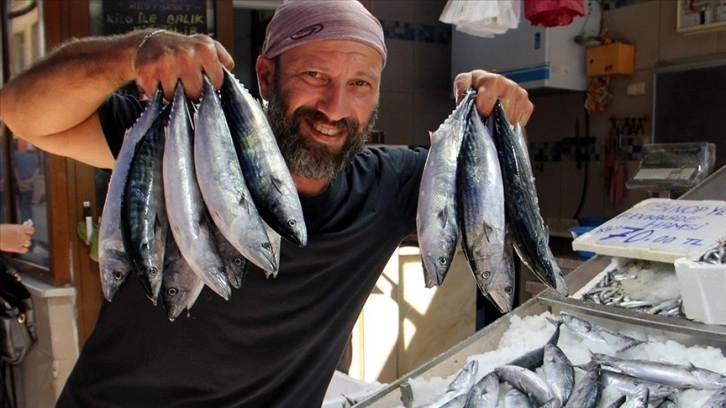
{"x":223,"y":186}
{"x":460,"y":385}
{"x":530,"y":235}
{"x":600,"y":334}
{"x":716,"y":400}
{"x":515,"y":398}
{"x":480,"y":197}
{"x":559,"y":372}
{"x":180,"y":285}
{"x":526,"y":381}
{"x":587,"y":391}
{"x":484,"y":393}
{"x":276,"y":242}
{"x":235,"y":265}
{"x":268,"y":179}
{"x":639,"y":400}
{"x":143,"y":212}
{"x":676,"y":375}
{"x":114,"y":264}
{"x":188,"y":219}
{"x":436,"y":218}
{"x":632,"y":385}
{"x":618,"y":402}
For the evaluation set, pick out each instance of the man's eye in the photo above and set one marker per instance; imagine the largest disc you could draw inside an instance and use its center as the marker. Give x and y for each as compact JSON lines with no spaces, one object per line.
{"x":314,"y":74}
{"x":360,"y":82}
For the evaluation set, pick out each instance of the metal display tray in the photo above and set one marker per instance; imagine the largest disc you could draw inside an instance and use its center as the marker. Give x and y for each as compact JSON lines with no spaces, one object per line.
{"x":684,"y":331}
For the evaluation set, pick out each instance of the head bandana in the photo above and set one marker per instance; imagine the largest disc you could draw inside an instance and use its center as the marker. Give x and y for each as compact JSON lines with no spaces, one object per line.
{"x":299,"y":22}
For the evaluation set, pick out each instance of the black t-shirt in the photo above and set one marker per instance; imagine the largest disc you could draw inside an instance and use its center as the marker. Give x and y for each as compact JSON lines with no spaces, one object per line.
{"x":276,"y":342}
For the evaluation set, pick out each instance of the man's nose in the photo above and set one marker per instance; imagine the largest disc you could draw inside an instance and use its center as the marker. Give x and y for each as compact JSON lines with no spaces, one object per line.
{"x":334,"y":103}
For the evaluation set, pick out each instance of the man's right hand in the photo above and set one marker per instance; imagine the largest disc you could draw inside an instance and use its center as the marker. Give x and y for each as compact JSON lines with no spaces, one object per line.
{"x":164,"y":57}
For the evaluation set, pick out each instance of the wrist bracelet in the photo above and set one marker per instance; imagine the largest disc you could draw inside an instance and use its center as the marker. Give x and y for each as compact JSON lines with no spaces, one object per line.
{"x":147,"y":37}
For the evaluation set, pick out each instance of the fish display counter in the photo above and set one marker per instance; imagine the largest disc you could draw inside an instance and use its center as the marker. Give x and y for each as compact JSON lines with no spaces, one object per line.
{"x":667,"y":342}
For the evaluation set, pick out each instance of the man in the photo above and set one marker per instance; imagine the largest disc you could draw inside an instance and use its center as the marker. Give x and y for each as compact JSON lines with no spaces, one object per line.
{"x":276,"y":342}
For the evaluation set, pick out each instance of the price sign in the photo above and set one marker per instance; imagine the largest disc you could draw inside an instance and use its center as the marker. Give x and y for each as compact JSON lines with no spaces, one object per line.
{"x":660,"y":230}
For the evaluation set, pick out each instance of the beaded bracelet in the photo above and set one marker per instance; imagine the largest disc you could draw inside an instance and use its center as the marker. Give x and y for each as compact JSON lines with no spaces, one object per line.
{"x":148,"y":36}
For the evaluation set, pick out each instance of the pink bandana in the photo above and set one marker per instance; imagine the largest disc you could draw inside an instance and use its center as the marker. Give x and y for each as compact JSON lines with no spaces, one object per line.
{"x":299,"y":22}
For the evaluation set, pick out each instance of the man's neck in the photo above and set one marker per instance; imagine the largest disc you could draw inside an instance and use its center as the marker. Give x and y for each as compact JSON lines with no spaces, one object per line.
{"x":309,"y":187}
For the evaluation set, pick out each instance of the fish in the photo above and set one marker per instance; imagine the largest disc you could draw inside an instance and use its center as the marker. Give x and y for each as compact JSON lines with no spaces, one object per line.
{"x":618,"y":402}
{"x":717,"y":399}
{"x":188,"y":218}
{"x":526,"y":381}
{"x":559,"y":372}
{"x":676,"y":375}
{"x":235,"y":265}
{"x":460,"y":385}
{"x":639,"y":400}
{"x":632,"y":385}
{"x":587,"y":391}
{"x":535,"y":358}
{"x":480,"y":200}
{"x":144,"y":220}
{"x":436,"y":213}
{"x":515,"y":398}
{"x":484,"y":393}
{"x":268,"y":178}
{"x":180,"y":285}
{"x":114,"y":265}
{"x":276,"y":242}
{"x":223,"y":185}
{"x":600,"y":334}
{"x":530,"y":235}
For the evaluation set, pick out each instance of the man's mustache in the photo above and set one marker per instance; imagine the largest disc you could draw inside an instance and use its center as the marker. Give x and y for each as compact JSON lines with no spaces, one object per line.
{"x":348,"y":125}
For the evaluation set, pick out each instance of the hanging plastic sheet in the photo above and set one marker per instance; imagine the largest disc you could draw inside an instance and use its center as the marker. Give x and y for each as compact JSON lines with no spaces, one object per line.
{"x":482,"y":18}
{"x":553,"y":13}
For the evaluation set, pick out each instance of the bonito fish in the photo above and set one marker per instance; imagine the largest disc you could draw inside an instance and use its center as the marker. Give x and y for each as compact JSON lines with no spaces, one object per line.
{"x":188,"y":219}
{"x":222,"y":184}
{"x":587,"y":330}
{"x":113,"y":261}
{"x":143,"y":212}
{"x":676,"y":375}
{"x":436,"y":218}
{"x":531,"y":238}
{"x":480,"y":199}
{"x":268,"y":179}
{"x":180,"y":285}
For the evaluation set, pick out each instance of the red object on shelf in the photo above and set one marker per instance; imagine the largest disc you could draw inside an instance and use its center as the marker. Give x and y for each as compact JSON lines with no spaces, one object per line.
{"x":553,"y":13}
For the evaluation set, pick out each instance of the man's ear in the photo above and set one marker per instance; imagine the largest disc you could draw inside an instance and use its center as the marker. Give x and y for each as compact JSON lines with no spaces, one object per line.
{"x":265,"y":69}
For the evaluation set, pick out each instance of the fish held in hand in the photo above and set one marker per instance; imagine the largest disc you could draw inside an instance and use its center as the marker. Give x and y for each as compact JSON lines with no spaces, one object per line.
{"x":223,"y":185}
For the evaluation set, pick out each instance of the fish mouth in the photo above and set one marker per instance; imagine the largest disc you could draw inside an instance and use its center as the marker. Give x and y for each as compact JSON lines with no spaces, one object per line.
{"x":501,"y":299}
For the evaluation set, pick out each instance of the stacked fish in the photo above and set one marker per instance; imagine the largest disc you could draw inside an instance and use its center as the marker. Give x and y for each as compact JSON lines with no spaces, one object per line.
{"x":545,"y":377}
{"x":197,"y":192}
{"x":477,"y":183}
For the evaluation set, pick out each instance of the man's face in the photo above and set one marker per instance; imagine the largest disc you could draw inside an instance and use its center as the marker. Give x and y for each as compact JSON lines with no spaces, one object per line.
{"x":323,"y":103}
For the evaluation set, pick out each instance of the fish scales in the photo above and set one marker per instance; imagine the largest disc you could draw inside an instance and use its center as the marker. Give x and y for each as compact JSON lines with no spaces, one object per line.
{"x":480,"y":200}
{"x":266,"y":174}
{"x":530,"y":236}
{"x":188,"y":219}
{"x":436,"y":218}
{"x":222,"y":184}
{"x":114,"y":265}
{"x":143,"y":213}
{"x":588,"y":390}
{"x":526,"y":381}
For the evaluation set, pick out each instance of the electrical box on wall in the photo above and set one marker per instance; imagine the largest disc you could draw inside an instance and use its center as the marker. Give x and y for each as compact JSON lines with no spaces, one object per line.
{"x":537,"y":58}
{"x":611,"y":59}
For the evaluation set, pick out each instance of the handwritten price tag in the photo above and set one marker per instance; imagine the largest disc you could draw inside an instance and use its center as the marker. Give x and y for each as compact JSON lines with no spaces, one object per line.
{"x":659,"y":229}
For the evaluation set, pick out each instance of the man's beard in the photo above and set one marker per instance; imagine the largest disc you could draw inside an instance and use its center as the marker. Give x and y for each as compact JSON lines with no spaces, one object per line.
{"x":308,"y":158}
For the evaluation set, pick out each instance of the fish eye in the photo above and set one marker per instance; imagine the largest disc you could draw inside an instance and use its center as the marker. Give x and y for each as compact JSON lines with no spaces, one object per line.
{"x":442,"y":261}
{"x":486,"y":274}
{"x":508,"y":290}
{"x":238,"y":261}
{"x":267,"y":246}
{"x":172,"y":292}
{"x":291,"y":223}
{"x":118,"y":275}
{"x":153,"y":271}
